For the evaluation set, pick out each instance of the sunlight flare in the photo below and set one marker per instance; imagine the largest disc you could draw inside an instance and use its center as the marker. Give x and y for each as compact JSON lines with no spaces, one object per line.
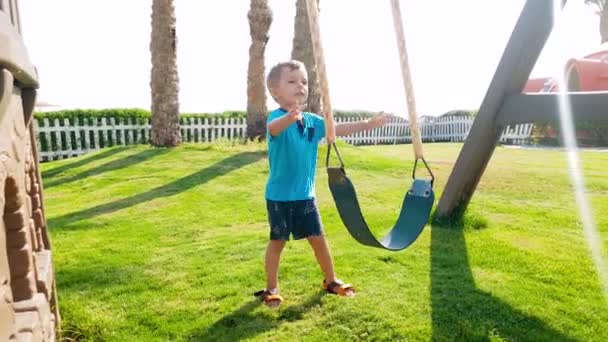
{"x":585,"y":211}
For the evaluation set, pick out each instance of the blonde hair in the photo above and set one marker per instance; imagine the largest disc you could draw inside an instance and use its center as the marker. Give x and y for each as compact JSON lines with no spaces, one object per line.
{"x":274,"y":75}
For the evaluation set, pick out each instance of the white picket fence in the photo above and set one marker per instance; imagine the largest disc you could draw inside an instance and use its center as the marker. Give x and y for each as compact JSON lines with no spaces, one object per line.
{"x":64,"y":138}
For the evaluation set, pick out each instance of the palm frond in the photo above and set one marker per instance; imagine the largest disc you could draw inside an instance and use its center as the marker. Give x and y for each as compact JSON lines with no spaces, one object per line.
{"x":599,"y":4}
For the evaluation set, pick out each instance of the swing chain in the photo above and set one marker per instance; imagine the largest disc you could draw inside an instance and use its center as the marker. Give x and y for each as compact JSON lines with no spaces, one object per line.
{"x":337,"y":153}
{"x":427,"y":168}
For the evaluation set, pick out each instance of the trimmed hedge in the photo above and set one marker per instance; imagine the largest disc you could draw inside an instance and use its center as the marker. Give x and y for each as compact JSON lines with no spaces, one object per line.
{"x":74,"y":114}
{"x":588,"y":134}
{"x":126,"y":113}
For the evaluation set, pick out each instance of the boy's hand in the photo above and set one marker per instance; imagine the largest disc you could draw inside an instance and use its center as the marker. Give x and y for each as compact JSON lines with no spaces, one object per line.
{"x":295,"y":113}
{"x":378,"y":120}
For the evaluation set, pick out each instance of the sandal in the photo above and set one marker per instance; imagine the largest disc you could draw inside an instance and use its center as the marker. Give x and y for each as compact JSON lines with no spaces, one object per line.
{"x":337,"y":287}
{"x":271,"y":300}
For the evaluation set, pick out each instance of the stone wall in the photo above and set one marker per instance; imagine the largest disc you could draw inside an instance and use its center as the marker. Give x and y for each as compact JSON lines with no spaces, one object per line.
{"x":28,"y":300}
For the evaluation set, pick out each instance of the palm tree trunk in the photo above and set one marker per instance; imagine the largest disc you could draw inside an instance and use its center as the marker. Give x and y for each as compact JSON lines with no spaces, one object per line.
{"x":260,"y":18}
{"x":164,"y":81}
{"x":604,"y":25}
{"x":302,"y":51}
{"x":602,"y":10}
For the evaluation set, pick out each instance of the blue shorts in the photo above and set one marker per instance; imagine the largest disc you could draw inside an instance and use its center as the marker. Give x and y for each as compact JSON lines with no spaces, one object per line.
{"x":298,"y":218}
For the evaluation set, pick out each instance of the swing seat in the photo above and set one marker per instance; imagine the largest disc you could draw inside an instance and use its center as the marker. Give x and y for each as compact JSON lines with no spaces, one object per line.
{"x":418,"y":202}
{"x":415,"y":211}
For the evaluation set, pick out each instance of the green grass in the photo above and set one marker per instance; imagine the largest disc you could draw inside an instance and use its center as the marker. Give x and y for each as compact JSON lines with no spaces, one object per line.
{"x":168,"y":245}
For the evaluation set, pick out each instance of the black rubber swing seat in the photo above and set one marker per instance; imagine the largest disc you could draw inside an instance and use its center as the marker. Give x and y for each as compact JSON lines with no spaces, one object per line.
{"x":413,"y":217}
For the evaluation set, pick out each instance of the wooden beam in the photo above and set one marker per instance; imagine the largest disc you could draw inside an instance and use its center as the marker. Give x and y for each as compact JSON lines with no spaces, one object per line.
{"x":521,"y":53}
{"x":530,"y":108}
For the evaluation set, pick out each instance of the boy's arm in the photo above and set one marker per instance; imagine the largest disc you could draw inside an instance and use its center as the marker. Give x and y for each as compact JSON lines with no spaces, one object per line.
{"x":278,"y":125}
{"x":348,"y":128}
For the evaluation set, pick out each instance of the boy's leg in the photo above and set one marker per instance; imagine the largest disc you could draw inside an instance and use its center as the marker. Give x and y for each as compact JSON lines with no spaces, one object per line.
{"x":323,"y":255}
{"x":310,"y":226}
{"x":273,"y":256}
{"x":278,"y":218}
{"x":321,"y":249}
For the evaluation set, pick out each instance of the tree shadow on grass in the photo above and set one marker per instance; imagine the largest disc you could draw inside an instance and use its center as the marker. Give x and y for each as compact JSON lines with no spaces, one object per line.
{"x":87,"y":277}
{"x":200,"y":177}
{"x":82,"y":161}
{"x":113,"y":165}
{"x":462,"y":312}
{"x":102,"y":284}
{"x":243,"y":323}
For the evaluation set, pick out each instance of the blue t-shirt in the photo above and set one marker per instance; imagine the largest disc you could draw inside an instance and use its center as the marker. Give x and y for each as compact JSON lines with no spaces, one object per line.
{"x":292,"y":157}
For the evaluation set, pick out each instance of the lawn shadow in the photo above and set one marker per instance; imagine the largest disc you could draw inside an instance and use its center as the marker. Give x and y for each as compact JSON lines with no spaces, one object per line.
{"x":83,"y":161}
{"x":100,"y":277}
{"x":462,"y":312}
{"x":101,"y":283}
{"x":200,"y":177}
{"x":113,"y":165}
{"x":243,"y":323}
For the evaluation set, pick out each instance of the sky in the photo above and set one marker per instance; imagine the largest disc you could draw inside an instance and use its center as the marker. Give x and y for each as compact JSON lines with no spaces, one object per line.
{"x":95,"y":53}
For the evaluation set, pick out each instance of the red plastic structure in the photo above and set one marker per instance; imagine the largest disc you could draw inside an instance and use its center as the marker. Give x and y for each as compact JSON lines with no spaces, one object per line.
{"x":589,"y":73}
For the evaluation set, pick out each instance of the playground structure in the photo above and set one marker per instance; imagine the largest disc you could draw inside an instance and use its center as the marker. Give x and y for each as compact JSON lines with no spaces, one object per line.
{"x":586,"y":74}
{"x":28,"y":300}
{"x":589,"y":73}
{"x":419,"y":199}
{"x":506,"y":103}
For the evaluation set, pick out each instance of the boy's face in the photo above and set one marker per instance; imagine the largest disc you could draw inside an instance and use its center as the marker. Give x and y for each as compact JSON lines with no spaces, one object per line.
{"x":292,"y":88}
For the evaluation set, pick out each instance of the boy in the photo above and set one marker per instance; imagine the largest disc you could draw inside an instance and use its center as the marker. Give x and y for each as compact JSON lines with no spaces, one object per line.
{"x":293,"y":138}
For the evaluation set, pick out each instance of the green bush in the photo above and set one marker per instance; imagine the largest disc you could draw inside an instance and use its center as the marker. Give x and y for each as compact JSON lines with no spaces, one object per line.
{"x":587,"y":133}
{"x":73,"y":114}
{"x":229,"y":114}
{"x":127,"y":113}
{"x":352,"y":114}
{"x":92,"y":113}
